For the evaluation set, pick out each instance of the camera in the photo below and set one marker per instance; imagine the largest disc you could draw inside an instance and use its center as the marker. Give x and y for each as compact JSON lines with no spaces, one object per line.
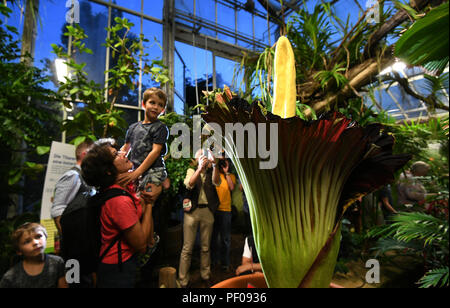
{"x":222,"y":163}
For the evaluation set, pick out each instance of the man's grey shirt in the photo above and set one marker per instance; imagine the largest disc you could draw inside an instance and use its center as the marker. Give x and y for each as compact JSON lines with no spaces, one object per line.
{"x":65,"y":191}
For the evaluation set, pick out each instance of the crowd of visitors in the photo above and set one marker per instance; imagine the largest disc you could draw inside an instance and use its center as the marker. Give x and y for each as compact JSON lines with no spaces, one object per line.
{"x":123,"y":184}
{"x":111,"y":194}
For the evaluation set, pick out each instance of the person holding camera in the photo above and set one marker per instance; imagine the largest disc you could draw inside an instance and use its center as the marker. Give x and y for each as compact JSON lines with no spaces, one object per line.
{"x":200,"y":204}
{"x":221,"y":238}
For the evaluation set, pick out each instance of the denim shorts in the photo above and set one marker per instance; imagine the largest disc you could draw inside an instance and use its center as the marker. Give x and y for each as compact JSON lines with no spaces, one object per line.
{"x":154,"y":176}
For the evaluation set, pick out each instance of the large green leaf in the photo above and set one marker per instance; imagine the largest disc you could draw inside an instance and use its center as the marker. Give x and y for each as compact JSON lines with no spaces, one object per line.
{"x":427,"y":39}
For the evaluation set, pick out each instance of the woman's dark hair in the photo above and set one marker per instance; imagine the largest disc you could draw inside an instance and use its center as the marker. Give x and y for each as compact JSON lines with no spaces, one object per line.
{"x":98,"y":168}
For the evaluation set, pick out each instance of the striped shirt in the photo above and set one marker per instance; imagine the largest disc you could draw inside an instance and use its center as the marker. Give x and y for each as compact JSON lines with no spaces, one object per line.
{"x":65,"y":190}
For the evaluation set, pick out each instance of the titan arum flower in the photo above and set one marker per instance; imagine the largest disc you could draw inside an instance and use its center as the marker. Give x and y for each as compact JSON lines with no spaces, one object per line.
{"x":323,"y":167}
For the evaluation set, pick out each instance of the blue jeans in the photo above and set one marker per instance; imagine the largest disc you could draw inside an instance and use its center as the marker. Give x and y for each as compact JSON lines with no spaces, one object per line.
{"x":221,"y":240}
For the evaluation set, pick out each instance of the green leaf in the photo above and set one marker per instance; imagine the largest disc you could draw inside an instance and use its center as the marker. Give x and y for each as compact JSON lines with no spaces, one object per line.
{"x":78,"y":140}
{"x":30,"y":164}
{"x":427,"y":39}
{"x":41,"y":150}
{"x":435,"y":278}
{"x":73,"y":91}
{"x":15,"y":176}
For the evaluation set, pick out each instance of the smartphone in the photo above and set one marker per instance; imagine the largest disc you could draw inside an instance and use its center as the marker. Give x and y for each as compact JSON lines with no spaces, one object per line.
{"x":187,"y":204}
{"x":205,"y":152}
{"x":210,"y":157}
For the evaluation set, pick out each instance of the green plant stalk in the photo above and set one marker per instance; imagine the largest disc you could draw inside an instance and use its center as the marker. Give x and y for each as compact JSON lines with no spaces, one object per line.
{"x":296,"y":207}
{"x":294,"y":214}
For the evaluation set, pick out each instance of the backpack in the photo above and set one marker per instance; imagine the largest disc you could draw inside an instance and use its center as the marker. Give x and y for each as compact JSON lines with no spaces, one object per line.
{"x":81,"y":230}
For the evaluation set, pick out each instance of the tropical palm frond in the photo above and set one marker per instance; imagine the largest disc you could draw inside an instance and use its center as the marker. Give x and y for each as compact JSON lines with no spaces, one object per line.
{"x":437,"y":277}
{"x":414,"y":46}
{"x":434,"y":84}
{"x":387,"y":244}
{"x":437,"y":66}
{"x":420,"y":226}
{"x":407,"y":227}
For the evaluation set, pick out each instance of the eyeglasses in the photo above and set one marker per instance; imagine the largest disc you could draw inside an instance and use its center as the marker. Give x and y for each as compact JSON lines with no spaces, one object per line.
{"x":118,"y":153}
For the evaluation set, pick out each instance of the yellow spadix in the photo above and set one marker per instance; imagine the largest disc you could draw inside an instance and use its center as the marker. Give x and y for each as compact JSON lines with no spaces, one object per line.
{"x":284,"y":93}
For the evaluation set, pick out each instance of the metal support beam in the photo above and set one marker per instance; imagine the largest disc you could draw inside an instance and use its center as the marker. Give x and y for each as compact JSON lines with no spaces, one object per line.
{"x":168,"y":48}
{"x":220,"y":48}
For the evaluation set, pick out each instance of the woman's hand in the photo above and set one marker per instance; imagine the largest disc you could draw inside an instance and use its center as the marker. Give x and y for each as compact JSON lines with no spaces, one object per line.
{"x":150,"y":197}
{"x":124,"y":179}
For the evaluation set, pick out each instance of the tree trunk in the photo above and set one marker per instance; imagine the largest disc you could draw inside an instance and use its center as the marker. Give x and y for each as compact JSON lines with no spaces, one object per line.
{"x":29,"y":30}
{"x":358,"y":76}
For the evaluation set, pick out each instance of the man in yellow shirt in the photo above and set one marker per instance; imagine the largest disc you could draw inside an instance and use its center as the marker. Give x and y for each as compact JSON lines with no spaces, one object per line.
{"x":221,"y":238}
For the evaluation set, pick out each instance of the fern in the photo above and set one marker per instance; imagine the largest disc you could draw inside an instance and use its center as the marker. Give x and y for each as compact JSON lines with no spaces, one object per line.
{"x":418,"y":233}
{"x":414,"y":226}
{"x":437,"y":277}
{"x":420,"y":226}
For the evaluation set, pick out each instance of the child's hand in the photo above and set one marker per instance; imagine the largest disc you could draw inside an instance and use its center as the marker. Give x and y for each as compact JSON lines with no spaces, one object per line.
{"x":125,"y":178}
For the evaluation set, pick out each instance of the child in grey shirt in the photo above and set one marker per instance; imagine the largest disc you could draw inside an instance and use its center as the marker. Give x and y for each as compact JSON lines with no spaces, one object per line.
{"x":37,"y":269}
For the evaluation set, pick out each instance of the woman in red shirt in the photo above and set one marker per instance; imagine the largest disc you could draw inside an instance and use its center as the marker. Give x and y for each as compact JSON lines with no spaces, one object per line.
{"x":129,"y":219}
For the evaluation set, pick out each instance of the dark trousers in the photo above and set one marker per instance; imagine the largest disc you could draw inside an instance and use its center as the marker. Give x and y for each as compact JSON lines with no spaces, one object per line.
{"x":112,"y":276}
{"x":221,"y":239}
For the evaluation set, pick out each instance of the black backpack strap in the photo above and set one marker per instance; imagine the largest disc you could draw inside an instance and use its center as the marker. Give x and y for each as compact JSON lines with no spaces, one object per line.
{"x":105,"y":196}
{"x":114,"y":192}
{"x":114,"y":241}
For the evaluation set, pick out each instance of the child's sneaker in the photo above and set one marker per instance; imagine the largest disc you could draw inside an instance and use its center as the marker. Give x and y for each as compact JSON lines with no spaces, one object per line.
{"x":145,"y":257}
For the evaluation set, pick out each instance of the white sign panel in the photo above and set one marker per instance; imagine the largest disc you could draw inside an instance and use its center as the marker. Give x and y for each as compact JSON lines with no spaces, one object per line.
{"x":61,"y":159}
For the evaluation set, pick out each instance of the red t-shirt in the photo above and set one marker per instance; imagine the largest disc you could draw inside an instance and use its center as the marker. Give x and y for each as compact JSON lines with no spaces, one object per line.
{"x":118,"y":214}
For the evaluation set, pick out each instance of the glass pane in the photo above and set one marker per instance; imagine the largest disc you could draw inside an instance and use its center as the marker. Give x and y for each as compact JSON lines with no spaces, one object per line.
{"x":154,"y":33}
{"x":178,"y":105}
{"x":186,"y":6}
{"x":205,"y":9}
{"x":245,"y":24}
{"x":50,"y":32}
{"x":154,"y":8}
{"x":179,"y":74}
{"x":226,"y":74}
{"x":131,"y":5}
{"x":94,"y":20}
{"x":225,"y":20}
{"x":261,"y":30}
{"x":198,"y":67}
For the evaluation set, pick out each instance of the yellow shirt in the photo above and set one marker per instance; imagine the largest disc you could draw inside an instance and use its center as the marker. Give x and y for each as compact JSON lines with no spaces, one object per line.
{"x":224,"y":193}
